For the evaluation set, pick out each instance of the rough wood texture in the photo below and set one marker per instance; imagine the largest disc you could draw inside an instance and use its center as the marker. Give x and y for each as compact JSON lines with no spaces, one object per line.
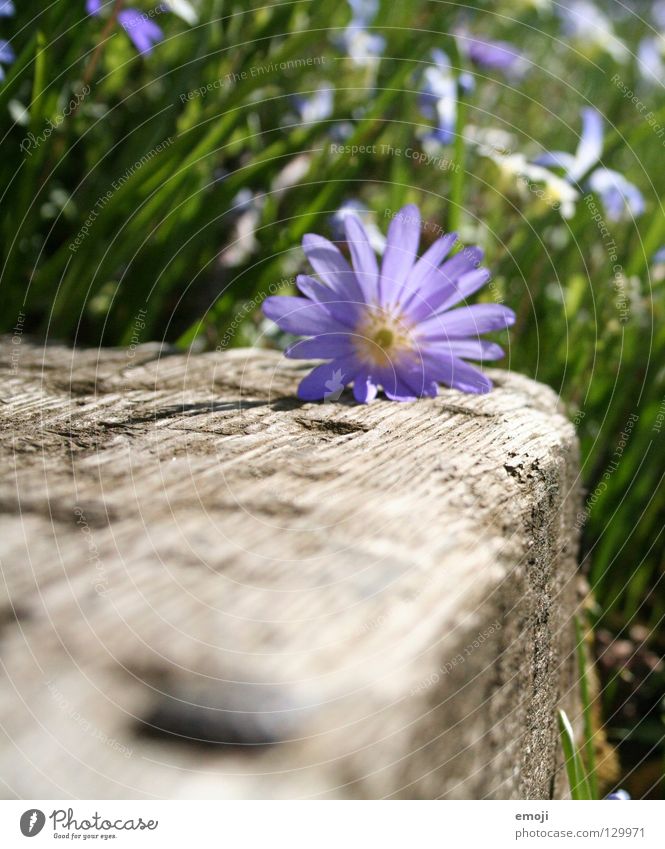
{"x":333,"y":600}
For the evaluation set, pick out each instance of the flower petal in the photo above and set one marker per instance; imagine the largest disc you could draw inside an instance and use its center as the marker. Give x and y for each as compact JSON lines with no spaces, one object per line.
{"x":323,"y":347}
{"x":300,"y":316}
{"x":400,"y":253}
{"x":457,"y":374}
{"x":590,"y":148}
{"x":420,"y":379}
{"x":468,"y":349}
{"x":364,"y":259}
{"x":328,"y":380}
{"x":466,"y":321}
{"x":556,"y":159}
{"x":7,"y":55}
{"x":143,"y":32}
{"x":364,"y":389}
{"x":328,"y":262}
{"x":621,"y":199}
{"x":439,"y":284}
{"x":406,"y":381}
{"x":493,"y":55}
{"x":466,"y":285}
{"x":344,"y":311}
{"x":427,"y":264}
{"x":398,"y":390}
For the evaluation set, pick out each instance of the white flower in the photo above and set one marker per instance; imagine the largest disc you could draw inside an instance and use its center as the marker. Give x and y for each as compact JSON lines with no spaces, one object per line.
{"x":539,"y":181}
{"x":585,"y":24}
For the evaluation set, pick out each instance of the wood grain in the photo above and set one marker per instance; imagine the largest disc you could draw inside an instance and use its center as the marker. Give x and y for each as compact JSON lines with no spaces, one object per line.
{"x":213,"y":590}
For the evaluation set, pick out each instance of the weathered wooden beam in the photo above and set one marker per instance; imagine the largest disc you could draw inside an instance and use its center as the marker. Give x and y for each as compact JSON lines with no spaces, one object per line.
{"x":211,"y":589}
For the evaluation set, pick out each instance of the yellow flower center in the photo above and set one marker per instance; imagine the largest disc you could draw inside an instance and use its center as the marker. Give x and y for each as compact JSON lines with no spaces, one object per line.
{"x":384,"y":337}
{"x":381,"y":337}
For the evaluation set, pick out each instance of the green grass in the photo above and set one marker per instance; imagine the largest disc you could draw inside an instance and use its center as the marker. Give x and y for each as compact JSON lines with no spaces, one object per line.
{"x":578,"y":780}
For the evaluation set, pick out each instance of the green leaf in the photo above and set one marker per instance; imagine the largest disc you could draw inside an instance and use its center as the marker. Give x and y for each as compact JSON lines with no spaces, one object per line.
{"x":579,"y":786}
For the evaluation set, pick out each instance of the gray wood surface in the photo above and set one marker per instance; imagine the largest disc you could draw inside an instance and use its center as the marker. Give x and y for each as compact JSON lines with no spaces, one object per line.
{"x":210,"y":589}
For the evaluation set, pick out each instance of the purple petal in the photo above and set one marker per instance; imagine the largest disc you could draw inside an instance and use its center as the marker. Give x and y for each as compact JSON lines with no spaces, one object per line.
{"x":364,"y":389}
{"x":438,"y":97}
{"x":556,"y":159}
{"x":316,"y":107}
{"x":465,"y":286}
{"x":467,"y":321}
{"x":398,"y":390}
{"x":439,"y":284}
{"x":406,"y":381}
{"x":93,"y":7}
{"x":301,"y":316}
{"x":468,"y":349}
{"x":143,"y":32}
{"x":323,"y":347}
{"x":400,"y":254}
{"x":344,"y":311}
{"x":364,"y":259}
{"x":328,"y":380}
{"x":499,"y":55}
{"x":7,"y":55}
{"x":620,"y":198}
{"x":427,"y":264}
{"x":457,"y":374}
{"x":619,"y":795}
{"x":331,"y":267}
{"x":590,"y":148}
{"x":420,"y":379}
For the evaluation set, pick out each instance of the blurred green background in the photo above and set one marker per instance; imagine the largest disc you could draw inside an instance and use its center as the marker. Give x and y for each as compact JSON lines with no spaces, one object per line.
{"x":161,"y":196}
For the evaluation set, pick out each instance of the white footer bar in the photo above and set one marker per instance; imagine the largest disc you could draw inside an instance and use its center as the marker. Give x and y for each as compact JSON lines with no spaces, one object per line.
{"x":332,"y":824}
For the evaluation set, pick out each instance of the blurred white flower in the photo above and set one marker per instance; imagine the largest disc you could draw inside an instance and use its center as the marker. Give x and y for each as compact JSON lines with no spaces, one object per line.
{"x":529,"y":178}
{"x":517,"y":6}
{"x":183,"y":9}
{"x":315,"y":107}
{"x":590,"y":29}
{"x":622,"y":200}
{"x":658,"y":13}
{"x":651,"y":59}
{"x":364,"y":48}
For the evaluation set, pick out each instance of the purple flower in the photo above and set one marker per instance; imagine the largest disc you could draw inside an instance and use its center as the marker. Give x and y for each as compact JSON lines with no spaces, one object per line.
{"x":143,"y":32}
{"x":363,"y":12}
{"x":363,"y":47}
{"x":7,"y":9}
{"x":393,"y":326}
{"x":439,"y":95}
{"x":650,"y":59}
{"x":658,"y":14}
{"x":620,"y":795}
{"x":7,"y":56}
{"x":316,"y":107}
{"x":491,"y":55}
{"x":621,"y":198}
